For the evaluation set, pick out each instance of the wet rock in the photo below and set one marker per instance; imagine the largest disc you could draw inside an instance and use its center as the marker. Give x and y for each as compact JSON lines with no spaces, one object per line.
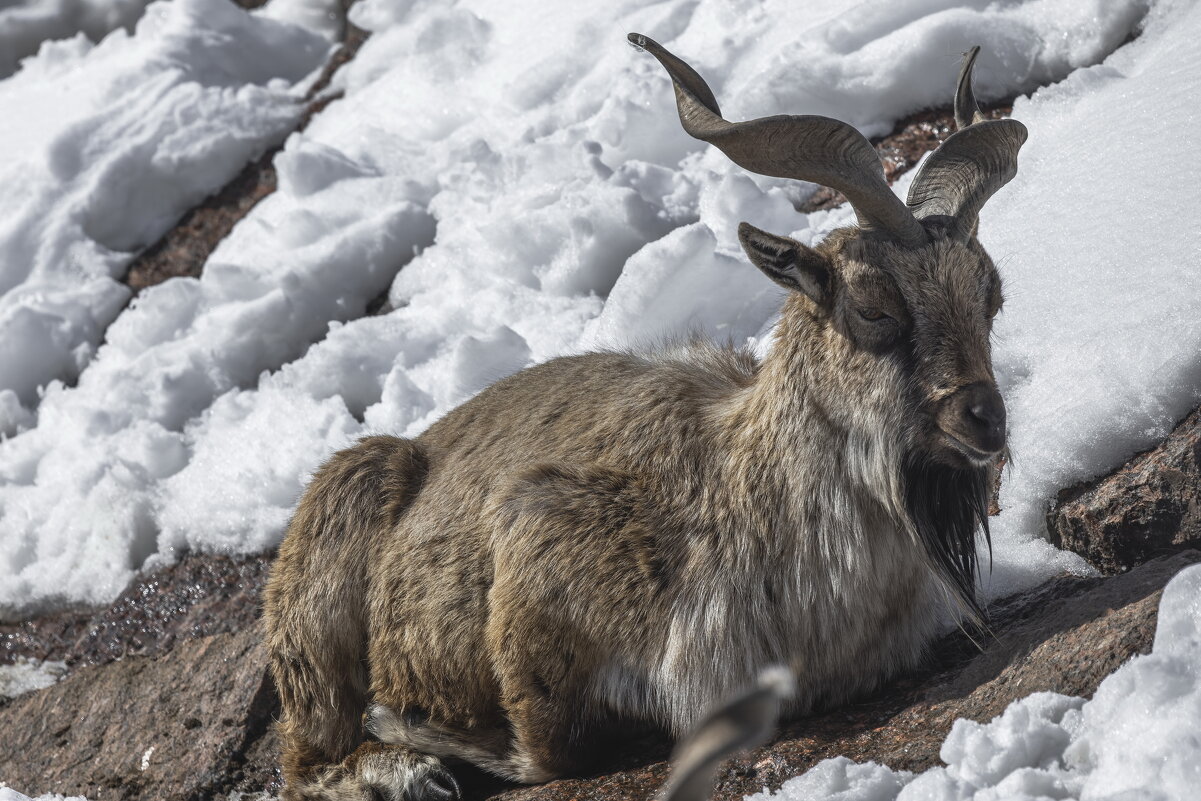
{"x":200,"y":595}
{"x":1149,"y":506}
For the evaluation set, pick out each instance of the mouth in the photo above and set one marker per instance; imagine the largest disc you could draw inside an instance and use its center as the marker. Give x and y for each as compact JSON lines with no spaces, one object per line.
{"x":973,"y":455}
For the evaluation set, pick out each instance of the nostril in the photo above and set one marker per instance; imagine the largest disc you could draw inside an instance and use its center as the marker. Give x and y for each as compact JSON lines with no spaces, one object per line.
{"x":986,"y":413}
{"x":984,"y":408}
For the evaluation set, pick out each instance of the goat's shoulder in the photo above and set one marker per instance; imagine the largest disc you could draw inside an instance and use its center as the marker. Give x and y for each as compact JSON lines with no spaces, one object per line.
{"x":576,"y":393}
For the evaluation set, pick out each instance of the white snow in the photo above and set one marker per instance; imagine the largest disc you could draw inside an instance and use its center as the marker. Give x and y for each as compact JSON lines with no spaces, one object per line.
{"x":104,"y":147}
{"x":1139,"y":737}
{"x":26,"y":24}
{"x":526,"y":169}
{"x":9,"y":794}
{"x":1098,"y":350}
{"x":26,"y":675}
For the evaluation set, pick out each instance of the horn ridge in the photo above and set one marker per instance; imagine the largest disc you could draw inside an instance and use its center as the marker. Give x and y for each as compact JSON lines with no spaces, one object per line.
{"x":807,"y":148}
{"x":967,"y":111}
{"x":967,"y":169}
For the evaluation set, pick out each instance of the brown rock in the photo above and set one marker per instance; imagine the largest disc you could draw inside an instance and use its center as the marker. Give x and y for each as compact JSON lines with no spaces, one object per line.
{"x":201,"y":595}
{"x":1149,"y":506}
{"x":177,"y":727}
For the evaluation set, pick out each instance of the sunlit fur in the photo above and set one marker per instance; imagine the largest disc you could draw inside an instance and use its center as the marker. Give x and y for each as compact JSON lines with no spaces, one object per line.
{"x":637,"y":535}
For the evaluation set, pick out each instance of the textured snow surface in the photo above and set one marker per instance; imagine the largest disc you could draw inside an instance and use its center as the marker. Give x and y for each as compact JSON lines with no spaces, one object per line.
{"x":1139,"y":737}
{"x":9,"y":794}
{"x":26,"y":675}
{"x":25,"y":24}
{"x":103,"y":147}
{"x":524,"y":166}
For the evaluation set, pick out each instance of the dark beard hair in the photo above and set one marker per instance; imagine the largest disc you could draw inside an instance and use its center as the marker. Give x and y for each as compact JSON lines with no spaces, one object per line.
{"x":948,"y":506}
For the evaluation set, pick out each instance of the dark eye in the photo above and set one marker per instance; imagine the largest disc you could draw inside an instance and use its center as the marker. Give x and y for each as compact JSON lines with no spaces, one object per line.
{"x":873,"y":315}
{"x":995,"y":306}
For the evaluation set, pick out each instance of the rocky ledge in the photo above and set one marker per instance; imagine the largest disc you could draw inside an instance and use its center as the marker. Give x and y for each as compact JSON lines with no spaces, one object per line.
{"x":1150,"y":506}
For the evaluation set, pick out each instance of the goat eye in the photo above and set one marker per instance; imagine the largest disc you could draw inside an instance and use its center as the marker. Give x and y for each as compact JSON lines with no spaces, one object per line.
{"x":873,"y":315}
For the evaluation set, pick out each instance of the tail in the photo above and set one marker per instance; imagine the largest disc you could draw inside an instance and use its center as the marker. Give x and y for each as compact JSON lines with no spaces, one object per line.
{"x":743,"y":723}
{"x":315,"y":606}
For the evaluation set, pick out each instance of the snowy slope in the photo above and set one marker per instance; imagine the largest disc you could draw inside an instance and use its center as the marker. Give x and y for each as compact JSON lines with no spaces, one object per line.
{"x":104,"y":147}
{"x":569,"y":211}
{"x":514,"y":177}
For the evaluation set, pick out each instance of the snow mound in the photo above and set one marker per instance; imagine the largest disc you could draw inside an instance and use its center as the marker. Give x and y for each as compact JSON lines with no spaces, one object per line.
{"x":1098,"y":349}
{"x":26,"y":24}
{"x":26,"y":675}
{"x":9,"y":794}
{"x":105,"y":146}
{"x":1136,"y":738}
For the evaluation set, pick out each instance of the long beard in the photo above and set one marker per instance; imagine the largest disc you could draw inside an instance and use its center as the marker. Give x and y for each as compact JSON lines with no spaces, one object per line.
{"x":948,"y":507}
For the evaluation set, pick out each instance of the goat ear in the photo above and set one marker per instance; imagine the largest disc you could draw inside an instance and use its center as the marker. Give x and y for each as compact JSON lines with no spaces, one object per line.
{"x":787,"y":262}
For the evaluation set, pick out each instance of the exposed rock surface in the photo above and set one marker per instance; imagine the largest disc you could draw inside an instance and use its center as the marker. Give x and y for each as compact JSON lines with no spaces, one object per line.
{"x":175,"y":727}
{"x":198,"y":596}
{"x":1149,"y":506}
{"x":205,"y":708}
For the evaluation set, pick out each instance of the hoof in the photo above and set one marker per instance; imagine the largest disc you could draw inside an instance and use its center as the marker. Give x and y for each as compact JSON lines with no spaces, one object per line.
{"x":398,"y":774}
{"x":436,"y":783}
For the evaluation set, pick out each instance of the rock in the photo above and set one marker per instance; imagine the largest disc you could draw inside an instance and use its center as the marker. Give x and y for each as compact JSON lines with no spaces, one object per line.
{"x":178,"y":727}
{"x":200,"y":595}
{"x":1149,"y":506}
{"x":198,"y":717}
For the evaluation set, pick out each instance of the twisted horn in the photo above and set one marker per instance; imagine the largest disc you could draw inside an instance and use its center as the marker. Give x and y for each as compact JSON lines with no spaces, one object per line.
{"x":966,"y":170}
{"x":966,"y":109}
{"x":807,"y":148}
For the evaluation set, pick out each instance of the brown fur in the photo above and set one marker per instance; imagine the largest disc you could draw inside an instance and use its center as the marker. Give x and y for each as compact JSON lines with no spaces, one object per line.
{"x":634,"y":535}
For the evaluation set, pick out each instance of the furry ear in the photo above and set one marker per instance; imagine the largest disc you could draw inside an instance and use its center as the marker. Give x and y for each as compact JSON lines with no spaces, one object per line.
{"x":787,"y":262}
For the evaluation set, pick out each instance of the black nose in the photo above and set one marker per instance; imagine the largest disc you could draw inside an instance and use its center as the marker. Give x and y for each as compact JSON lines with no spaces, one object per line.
{"x":974,"y":418}
{"x":981,"y":417}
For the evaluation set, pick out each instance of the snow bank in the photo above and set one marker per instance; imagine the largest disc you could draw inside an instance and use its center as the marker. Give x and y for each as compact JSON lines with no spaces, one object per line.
{"x":26,"y":24}
{"x":1136,"y":738}
{"x":104,"y":147}
{"x":1098,"y":351}
{"x":534,"y":164}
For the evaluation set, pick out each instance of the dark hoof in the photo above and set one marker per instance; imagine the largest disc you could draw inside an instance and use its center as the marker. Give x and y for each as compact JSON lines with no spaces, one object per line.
{"x":435,"y":784}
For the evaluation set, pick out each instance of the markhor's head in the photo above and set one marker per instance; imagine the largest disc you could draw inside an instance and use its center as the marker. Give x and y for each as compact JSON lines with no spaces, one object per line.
{"x":892,"y":317}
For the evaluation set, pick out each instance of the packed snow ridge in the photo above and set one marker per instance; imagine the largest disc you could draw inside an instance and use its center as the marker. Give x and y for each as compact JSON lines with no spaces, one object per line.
{"x":525,"y":168}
